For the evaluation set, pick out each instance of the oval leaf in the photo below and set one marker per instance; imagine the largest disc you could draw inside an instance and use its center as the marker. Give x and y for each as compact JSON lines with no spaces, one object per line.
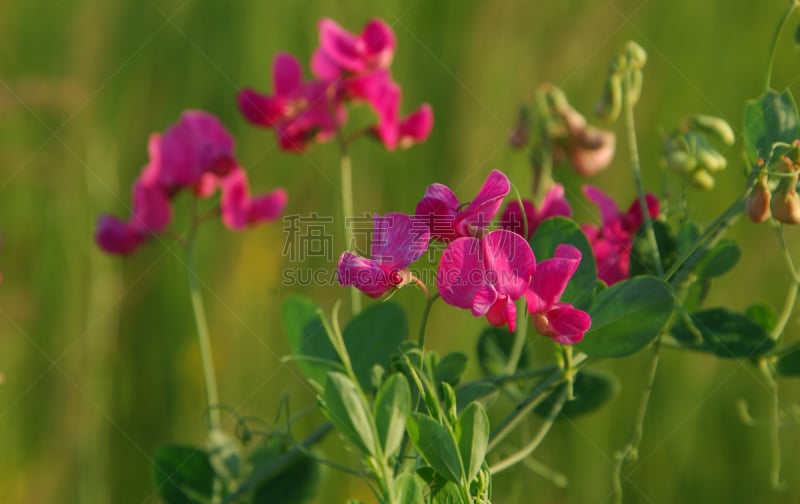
{"x":724,"y":333}
{"x":555,"y":231}
{"x":392,"y":406}
{"x":592,"y":389}
{"x":763,"y":314}
{"x":345,"y":408}
{"x":409,"y":489}
{"x":627,"y":316}
{"x":296,"y":483}
{"x":183,"y":474}
{"x":642,"y":252}
{"x":476,"y":391}
{"x":770,"y":118}
{"x":307,"y":338}
{"x":450,"y":368}
{"x":494,"y":348}
{"x":372,"y":337}
{"x":436,"y":445}
{"x":719,"y":260}
{"x":472,"y":431}
{"x":789,"y":364}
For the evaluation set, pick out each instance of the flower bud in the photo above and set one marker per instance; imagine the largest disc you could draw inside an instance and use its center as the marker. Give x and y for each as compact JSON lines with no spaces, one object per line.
{"x":592,"y":151}
{"x":702,"y":180}
{"x":610,"y":105}
{"x":710,"y":159}
{"x":785,"y":204}
{"x":713,"y":126}
{"x":758,"y":202}
{"x":635,"y":55}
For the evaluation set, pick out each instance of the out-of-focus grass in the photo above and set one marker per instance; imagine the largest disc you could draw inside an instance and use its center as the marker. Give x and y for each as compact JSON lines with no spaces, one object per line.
{"x":98,"y":353}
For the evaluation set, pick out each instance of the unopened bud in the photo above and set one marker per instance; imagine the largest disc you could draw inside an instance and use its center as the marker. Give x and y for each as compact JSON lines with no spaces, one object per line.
{"x":676,"y":157}
{"x":785,"y":204}
{"x":592,"y":151}
{"x":710,"y":159}
{"x":702,"y":180}
{"x":610,"y":105}
{"x":713,"y":126}
{"x":635,"y":55}
{"x":757,"y":204}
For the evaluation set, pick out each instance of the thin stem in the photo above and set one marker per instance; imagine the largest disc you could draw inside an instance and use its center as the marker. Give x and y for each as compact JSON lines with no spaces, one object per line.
{"x":534,"y":443}
{"x":212,"y":397}
{"x":631,"y":450}
{"x":774,"y":46}
{"x":347,"y":207}
{"x":791,"y":296}
{"x":529,"y":403}
{"x":518,"y":376}
{"x":424,"y":322}
{"x":775,"y":442}
{"x":519,"y":337}
{"x":633,"y":150}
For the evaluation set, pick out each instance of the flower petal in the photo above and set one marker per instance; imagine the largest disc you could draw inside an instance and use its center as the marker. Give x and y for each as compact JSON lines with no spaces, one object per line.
{"x":416,"y":127}
{"x":484,"y":299}
{"x":568,"y":323}
{"x":461,"y":272}
{"x":512,"y":218}
{"x":399,"y":239}
{"x":365,"y":274}
{"x":632,"y":220}
{"x":551,"y":278}
{"x":259,"y":109}
{"x":438,"y":208}
{"x":151,"y":209}
{"x":509,"y":262}
{"x":379,"y":44}
{"x":554,"y":204}
{"x":608,"y":207}
{"x":339,"y":45}
{"x":486,"y":203}
{"x":287,"y":74}
{"x":267,"y":207}
{"x":235,"y":201}
{"x":503,"y":312}
{"x":114,"y":236}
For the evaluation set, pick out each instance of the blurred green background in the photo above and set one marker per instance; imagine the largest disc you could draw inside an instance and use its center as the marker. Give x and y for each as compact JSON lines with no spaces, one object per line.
{"x":98,"y":354}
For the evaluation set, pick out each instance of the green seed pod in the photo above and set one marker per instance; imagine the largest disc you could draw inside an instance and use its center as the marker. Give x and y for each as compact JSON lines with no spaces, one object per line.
{"x":610,"y":105}
{"x":713,"y":126}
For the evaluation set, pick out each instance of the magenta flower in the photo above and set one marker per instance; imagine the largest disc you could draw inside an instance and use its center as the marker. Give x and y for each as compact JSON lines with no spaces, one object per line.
{"x":300,"y":112}
{"x":397,"y":241}
{"x":444,"y":214}
{"x":383,"y":95}
{"x":343,"y":52}
{"x":195,"y":154}
{"x":554,"y":204}
{"x":560,"y":321}
{"x":487,"y":275}
{"x":239,"y":210}
{"x":612,"y":242}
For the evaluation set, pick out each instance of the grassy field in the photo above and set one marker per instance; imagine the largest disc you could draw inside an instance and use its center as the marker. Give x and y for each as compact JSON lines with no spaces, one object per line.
{"x":98,"y":354}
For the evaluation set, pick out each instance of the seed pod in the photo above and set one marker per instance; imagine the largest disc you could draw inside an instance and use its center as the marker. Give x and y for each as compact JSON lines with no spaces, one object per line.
{"x":758,"y":202}
{"x":714,"y":126}
{"x":785,"y":204}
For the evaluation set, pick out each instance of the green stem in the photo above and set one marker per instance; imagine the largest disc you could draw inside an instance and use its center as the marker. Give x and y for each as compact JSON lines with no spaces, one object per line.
{"x":631,"y":450}
{"x":633,"y":150}
{"x":774,"y":46}
{"x":775,"y":443}
{"x":791,"y":296}
{"x":518,"y":376}
{"x":347,"y":207}
{"x":534,"y":443}
{"x":519,"y":337}
{"x":212,"y":397}
{"x":424,"y":322}
{"x":526,"y":406}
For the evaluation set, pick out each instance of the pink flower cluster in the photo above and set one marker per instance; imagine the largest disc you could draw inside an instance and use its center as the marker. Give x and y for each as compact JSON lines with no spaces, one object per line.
{"x":196,"y":154}
{"x":347,"y":67}
{"x":480,"y":270}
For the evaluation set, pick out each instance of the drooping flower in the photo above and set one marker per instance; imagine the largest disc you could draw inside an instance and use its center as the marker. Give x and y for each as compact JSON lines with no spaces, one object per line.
{"x":554,"y":204}
{"x":300,"y":111}
{"x":444,"y":213}
{"x":397,"y":241}
{"x":560,"y":321}
{"x":343,"y":52}
{"x":196,"y":154}
{"x":589,"y":149}
{"x":486,"y":275}
{"x":612,"y":242}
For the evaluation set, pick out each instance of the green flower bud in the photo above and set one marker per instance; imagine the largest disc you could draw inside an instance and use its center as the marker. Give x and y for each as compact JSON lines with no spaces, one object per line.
{"x":610,"y":105}
{"x":635,"y":55}
{"x":702,"y":180}
{"x":714,"y":126}
{"x":710,"y":159}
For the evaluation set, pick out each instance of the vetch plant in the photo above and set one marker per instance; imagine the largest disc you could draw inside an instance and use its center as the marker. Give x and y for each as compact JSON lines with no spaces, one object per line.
{"x":421,"y":430}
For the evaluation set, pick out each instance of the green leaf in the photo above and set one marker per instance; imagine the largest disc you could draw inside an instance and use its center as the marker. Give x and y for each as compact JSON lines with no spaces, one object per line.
{"x":372,"y":337}
{"x":494,"y":348}
{"x":642,"y":252}
{"x":789,"y":364}
{"x":592,"y":389}
{"x":450,"y":368}
{"x":392,"y":406}
{"x":436,"y":445}
{"x":183,"y":474}
{"x":555,"y":231}
{"x":308,"y":339}
{"x":296,"y":483}
{"x":688,"y":234}
{"x":724,"y":333}
{"x":409,"y":488}
{"x":449,"y":493}
{"x":472,"y":431}
{"x":770,"y":118}
{"x":763,"y":314}
{"x":347,"y":411}
{"x":476,"y":391}
{"x":719,"y":260}
{"x":627,"y":316}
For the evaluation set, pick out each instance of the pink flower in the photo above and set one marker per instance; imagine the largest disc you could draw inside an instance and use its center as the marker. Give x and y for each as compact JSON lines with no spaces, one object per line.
{"x":560,"y":321}
{"x":239,"y":210}
{"x":115,"y":236}
{"x":487,"y":275}
{"x":612,"y":242}
{"x":300,"y":112}
{"x":383,"y":95}
{"x":343,"y":52}
{"x":397,"y":241}
{"x":590,"y":150}
{"x":444,"y":213}
{"x":554,"y":204}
